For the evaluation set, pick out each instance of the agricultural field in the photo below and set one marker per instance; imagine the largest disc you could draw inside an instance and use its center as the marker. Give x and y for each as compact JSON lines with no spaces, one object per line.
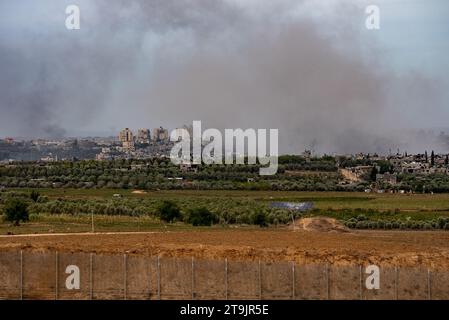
{"x":323,"y":200}
{"x":137,"y":228}
{"x":71,"y":210}
{"x":427,"y":249}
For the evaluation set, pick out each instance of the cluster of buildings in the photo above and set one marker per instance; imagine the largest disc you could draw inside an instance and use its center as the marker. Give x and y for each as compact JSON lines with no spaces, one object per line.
{"x":145,"y":143}
{"x":417,"y":164}
{"x":143,"y":137}
{"x":142,"y":143}
{"x":421,"y":163}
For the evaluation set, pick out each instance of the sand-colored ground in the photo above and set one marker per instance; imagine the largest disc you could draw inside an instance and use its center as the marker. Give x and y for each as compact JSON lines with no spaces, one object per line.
{"x":319,"y":224}
{"x":403,"y":248}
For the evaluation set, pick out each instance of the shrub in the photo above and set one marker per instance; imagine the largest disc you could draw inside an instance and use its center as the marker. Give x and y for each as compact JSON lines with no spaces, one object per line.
{"x":34,"y":217}
{"x":201,"y":217}
{"x":360,"y":225}
{"x":260,"y":218}
{"x":442,"y":221}
{"x":34,"y":195}
{"x":42,"y":199}
{"x":168,"y":211}
{"x":427,"y":226}
{"x":352,"y":220}
{"x":350,"y":224}
{"x":243,"y":218}
{"x":16,"y":210}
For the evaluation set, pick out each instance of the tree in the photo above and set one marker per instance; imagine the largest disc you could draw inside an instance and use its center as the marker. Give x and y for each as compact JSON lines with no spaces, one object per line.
{"x":201,"y":217}
{"x":446,"y":161}
{"x":16,"y":210}
{"x":169,"y":211}
{"x":373,"y":174}
{"x":432,"y":158}
{"x":425,"y":155}
{"x":34,"y":195}
{"x":260,"y":218}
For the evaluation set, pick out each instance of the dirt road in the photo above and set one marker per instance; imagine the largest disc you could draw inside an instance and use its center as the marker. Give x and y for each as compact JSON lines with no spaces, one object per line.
{"x":428,"y":249}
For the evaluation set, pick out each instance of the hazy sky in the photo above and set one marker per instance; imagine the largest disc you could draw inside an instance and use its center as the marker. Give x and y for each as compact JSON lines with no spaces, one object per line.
{"x":309,"y":68}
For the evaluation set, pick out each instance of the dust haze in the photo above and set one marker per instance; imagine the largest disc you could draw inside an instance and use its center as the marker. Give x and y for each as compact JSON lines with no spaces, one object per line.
{"x":323,"y":82}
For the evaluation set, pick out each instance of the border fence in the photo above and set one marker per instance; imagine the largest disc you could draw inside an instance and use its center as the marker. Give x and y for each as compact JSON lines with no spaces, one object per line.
{"x":44,"y":275}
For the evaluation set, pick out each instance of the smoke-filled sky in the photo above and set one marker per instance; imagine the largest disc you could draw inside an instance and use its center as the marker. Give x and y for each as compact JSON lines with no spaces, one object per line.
{"x":307,"y":67}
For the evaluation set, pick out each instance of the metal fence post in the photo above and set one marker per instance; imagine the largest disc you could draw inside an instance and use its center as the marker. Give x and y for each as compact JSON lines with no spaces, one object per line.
{"x":293,"y":281}
{"x":92,"y":222}
{"x":57,"y":274}
{"x":396,"y":282}
{"x":125,"y":278}
{"x":149,"y":281}
{"x":21,"y":274}
{"x":361,"y":282}
{"x":193,"y":278}
{"x":260,"y":282}
{"x":158,"y":278}
{"x":226,"y":278}
{"x":91,"y":276}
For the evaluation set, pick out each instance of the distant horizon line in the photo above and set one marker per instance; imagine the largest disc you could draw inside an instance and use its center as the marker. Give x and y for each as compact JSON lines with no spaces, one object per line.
{"x":107,"y":134}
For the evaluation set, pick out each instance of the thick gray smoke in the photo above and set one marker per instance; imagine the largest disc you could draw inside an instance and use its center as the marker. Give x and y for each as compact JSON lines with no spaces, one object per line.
{"x":266,"y":64}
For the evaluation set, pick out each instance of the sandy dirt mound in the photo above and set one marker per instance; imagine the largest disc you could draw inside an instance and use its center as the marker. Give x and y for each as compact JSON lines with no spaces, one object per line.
{"x":138,"y":192}
{"x":319,"y":224}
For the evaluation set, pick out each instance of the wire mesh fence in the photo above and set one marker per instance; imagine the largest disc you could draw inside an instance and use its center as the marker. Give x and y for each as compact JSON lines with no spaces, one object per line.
{"x":66,"y":275}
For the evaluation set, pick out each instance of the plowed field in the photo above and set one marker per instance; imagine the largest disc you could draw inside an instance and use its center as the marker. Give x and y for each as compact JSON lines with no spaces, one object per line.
{"x":403,"y":248}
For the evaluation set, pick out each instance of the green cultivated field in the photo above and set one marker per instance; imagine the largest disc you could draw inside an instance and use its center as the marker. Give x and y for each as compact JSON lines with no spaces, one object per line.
{"x":63,"y":223}
{"x":323,"y":200}
{"x":70,"y":210}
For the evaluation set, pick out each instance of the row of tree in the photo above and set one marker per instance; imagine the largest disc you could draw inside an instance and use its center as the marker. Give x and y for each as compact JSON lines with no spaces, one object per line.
{"x":190,"y":210}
